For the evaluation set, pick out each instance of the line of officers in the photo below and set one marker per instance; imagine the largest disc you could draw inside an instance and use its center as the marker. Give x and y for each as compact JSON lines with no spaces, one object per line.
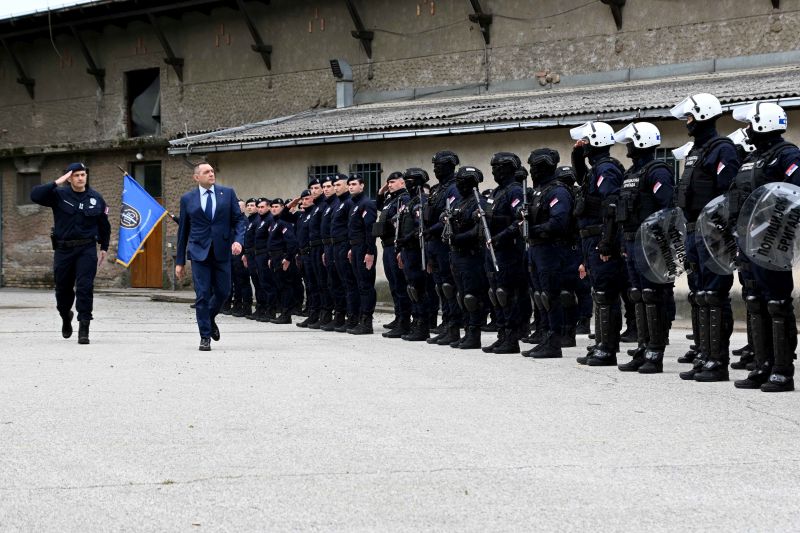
{"x":539,"y":258}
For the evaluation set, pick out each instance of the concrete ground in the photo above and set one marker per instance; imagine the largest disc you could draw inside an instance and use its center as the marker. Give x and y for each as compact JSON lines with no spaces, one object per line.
{"x":280,"y":428}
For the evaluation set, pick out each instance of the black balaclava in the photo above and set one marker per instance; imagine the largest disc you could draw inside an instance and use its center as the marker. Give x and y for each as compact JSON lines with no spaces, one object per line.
{"x":444,"y":165}
{"x":640,"y":156}
{"x":762,"y":140}
{"x":543,"y":163}
{"x":702,"y":130}
{"x":504,"y":167}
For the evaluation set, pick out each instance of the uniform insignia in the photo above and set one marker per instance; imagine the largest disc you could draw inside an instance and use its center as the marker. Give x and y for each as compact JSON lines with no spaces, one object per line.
{"x":515,"y":202}
{"x":720,"y":167}
{"x":791,"y":169}
{"x":773,"y":161}
{"x":747,"y":166}
{"x":284,"y":231}
{"x":262,"y":223}
{"x":355,"y":209}
{"x":106,"y":211}
{"x":92,"y":202}
{"x":553,"y":202}
{"x":691,"y":160}
{"x":656,"y":187}
{"x":328,"y":210}
{"x":363,"y":214}
{"x":600,"y":179}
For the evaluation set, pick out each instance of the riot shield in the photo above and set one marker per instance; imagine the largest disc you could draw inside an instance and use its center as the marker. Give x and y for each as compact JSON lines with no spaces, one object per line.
{"x":769,"y":226}
{"x":661,"y":246}
{"x":716,"y":232}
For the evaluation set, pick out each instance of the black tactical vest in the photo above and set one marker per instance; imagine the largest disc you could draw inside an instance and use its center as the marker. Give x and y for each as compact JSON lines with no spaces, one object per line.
{"x":636,"y":200}
{"x":408,"y":230}
{"x":697,"y":186}
{"x":754,"y":173}
{"x":590,"y":205}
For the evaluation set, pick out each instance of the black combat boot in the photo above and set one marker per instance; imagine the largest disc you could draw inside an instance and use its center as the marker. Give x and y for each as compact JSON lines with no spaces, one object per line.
{"x":348,"y":322}
{"x":608,"y":324}
{"x":501,"y":335}
{"x":509,"y":344}
{"x":419,"y":331}
{"x":284,"y":318}
{"x":236,"y":310}
{"x":635,"y":296}
{"x":550,"y":348}
{"x":568,"y":337}
{"x":364,"y":326}
{"x":337,"y":322}
{"x":658,"y":326}
{"x":313,"y":316}
{"x":66,"y":325}
{"x":716,"y":368}
{"x":472,"y":338}
{"x":453,"y":333}
{"x":759,"y":335}
{"x":246,"y":309}
{"x":83,"y":332}
{"x":694,"y":351}
{"x":701,"y":335}
{"x":582,"y":327}
{"x":784,"y":342}
{"x":253,"y":315}
{"x":402,"y":327}
{"x":325,"y":316}
{"x":392,"y":324}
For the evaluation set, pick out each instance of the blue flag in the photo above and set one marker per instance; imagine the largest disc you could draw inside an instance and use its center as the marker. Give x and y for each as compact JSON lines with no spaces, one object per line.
{"x":138,"y":217}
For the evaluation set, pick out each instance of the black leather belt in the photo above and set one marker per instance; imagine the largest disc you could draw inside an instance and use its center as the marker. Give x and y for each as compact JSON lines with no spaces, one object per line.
{"x":591,"y":231}
{"x":74,"y":243}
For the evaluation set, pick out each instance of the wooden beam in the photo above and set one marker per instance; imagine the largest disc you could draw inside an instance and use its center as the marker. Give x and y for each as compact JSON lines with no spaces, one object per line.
{"x":175,"y":62}
{"x":616,"y":11}
{"x":22,"y":78}
{"x":258,"y":43}
{"x":361,"y":33}
{"x":484,"y":20}
{"x":98,"y":73}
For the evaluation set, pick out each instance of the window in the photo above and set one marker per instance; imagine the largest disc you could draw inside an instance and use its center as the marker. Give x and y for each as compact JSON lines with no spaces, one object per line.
{"x":371,"y":174}
{"x":665,"y":155}
{"x":320,"y":171}
{"x":26,"y":181}
{"x":143,"y":100}
{"x":148,"y":175}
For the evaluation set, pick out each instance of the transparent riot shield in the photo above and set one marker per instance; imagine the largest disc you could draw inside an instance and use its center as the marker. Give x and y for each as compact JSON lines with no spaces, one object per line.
{"x":715,"y":230}
{"x":768,"y":226}
{"x":661,"y":246}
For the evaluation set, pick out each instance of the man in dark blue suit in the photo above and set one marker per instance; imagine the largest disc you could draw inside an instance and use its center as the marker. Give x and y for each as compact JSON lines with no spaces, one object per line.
{"x":212,"y":225}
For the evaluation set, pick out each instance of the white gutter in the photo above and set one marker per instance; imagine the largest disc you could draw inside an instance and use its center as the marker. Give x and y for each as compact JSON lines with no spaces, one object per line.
{"x":572,"y":120}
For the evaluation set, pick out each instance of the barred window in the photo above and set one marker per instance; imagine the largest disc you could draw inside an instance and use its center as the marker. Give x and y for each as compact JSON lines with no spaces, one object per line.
{"x":665,"y":155}
{"x":371,"y":174}
{"x":320,"y":171}
{"x":26,"y":181}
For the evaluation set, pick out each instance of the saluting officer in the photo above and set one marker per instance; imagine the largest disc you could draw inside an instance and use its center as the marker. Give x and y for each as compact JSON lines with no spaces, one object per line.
{"x":282,"y":249}
{"x":710,"y":167}
{"x":391,"y":197}
{"x":80,"y":221}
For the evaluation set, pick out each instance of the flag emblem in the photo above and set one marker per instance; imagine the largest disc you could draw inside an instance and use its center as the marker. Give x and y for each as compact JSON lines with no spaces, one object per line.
{"x":656,"y":187}
{"x":791,"y":169}
{"x":599,"y":180}
{"x":553,"y":202}
{"x":720,"y":167}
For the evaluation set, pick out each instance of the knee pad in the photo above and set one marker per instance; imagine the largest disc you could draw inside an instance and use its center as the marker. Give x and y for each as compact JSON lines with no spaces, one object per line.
{"x":502,"y":297}
{"x":716,"y":299}
{"x":412,"y":293}
{"x":756,"y":306}
{"x":545,"y":301}
{"x":635,"y":295}
{"x":780,"y":308}
{"x":438,"y":289}
{"x":448,"y":290}
{"x":493,"y":298}
{"x":568,"y":299}
{"x":652,"y":296}
{"x":471,"y":303}
{"x":602,"y":298}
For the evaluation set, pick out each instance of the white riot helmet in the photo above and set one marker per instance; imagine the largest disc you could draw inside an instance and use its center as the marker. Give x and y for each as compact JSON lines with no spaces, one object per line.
{"x":641,"y":134}
{"x":680,"y":153}
{"x":739,"y":138}
{"x":762,"y":116}
{"x":702,"y":106}
{"x":596,"y":133}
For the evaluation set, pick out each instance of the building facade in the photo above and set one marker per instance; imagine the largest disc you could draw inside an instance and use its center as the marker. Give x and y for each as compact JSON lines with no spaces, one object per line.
{"x":148,"y":85}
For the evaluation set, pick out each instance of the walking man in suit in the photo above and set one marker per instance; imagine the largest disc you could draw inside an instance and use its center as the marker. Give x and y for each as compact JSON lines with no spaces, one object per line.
{"x":211,"y":228}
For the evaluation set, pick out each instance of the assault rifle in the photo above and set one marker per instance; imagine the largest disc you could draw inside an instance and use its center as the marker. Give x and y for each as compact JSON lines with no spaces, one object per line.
{"x":486,"y":233}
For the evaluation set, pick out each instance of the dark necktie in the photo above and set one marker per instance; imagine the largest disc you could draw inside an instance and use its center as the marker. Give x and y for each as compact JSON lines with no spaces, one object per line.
{"x":209,"y":211}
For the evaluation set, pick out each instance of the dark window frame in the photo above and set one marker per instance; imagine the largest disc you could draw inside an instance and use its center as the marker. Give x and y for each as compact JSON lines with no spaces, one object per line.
{"x":320,"y":171}
{"x":139,"y":86}
{"x":26,"y":181}
{"x":665,"y":155}
{"x":371,"y":174}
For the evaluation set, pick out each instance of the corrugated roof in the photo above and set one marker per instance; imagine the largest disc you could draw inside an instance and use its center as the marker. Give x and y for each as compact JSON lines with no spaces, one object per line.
{"x":521,"y":110}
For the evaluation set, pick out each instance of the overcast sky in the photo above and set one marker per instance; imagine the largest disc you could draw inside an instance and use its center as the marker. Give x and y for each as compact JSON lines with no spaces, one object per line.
{"x":20,"y":7}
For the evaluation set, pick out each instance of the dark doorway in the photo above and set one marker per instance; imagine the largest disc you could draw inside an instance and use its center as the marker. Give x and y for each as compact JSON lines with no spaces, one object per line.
{"x":143,"y":99}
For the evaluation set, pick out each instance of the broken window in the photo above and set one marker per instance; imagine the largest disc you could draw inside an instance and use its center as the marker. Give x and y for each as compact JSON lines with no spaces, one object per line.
{"x":143,"y":92}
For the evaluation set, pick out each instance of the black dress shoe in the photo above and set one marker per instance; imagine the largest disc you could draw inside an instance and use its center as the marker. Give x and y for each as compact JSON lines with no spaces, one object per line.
{"x":214,"y":330}
{"x":205,"y":344}
{"x":66,"y":325}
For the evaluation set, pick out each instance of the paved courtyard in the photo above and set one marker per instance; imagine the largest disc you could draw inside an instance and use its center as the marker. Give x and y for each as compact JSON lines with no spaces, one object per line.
{"x":280,"y":428}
